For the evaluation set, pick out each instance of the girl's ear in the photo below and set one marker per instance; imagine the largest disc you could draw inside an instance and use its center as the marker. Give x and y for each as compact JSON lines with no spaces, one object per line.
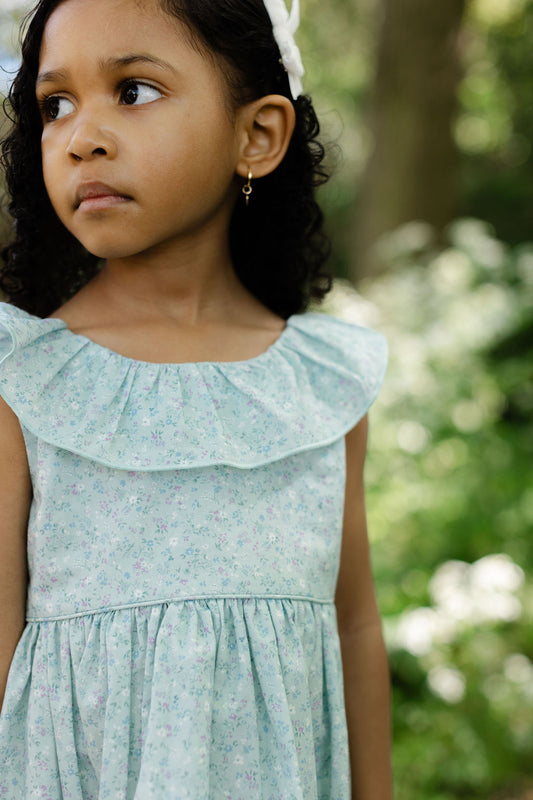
{"x":266,"y":127}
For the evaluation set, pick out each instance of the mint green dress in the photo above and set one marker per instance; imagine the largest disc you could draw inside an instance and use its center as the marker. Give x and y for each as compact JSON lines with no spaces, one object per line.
{"x":183,"y":550}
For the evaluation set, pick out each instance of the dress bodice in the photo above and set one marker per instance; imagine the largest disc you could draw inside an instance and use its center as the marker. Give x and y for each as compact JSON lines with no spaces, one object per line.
{"x":165,"y":481}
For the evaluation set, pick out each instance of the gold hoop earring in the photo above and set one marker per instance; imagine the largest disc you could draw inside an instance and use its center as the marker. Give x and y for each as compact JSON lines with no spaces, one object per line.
{"x":247,"y":188}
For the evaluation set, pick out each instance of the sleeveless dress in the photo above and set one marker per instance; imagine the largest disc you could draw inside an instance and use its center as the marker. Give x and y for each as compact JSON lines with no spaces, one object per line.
{"x":183,"y":549}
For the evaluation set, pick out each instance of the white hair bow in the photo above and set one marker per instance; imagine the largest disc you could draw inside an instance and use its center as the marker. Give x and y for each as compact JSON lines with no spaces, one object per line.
{"x":284,"y":27}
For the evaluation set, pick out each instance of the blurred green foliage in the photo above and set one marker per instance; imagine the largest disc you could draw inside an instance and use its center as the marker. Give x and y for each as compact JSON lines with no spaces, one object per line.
{"x":494,"y":127}
{"x":450,"y":506}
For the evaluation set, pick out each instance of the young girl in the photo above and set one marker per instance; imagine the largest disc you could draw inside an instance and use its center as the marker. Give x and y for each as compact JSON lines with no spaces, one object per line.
{"x":187,"y":603}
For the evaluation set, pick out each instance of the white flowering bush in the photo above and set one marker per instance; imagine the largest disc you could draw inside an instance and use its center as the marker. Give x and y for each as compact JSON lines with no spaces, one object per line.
{"x":450,"y":504}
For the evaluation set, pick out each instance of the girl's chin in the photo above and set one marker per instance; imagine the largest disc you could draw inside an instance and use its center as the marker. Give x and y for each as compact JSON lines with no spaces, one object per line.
{"x":112,"y":249}
{"x":112,"y":253}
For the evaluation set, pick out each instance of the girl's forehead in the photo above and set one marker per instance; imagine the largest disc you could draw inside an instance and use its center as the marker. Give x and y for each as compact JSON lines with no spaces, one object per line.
{"x":105,"y":11}
{"x":102,"y":24}
{"x":86,"y":34}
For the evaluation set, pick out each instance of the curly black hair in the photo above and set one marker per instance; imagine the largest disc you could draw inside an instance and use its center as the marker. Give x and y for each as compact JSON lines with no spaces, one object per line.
{"x":278,"y":245}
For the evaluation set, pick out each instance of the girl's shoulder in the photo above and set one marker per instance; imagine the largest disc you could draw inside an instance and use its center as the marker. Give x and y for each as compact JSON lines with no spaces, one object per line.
{"x":342,"y":364}
{"x":19,"y":328}
{"x":306,"y":390}
{"x":358,"y":347}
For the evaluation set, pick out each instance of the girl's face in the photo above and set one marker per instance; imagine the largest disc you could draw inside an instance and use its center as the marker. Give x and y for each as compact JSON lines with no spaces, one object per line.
{"x":139,"y":147}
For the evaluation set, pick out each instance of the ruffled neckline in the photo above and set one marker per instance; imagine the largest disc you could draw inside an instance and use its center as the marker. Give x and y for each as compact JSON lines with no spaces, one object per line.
{"x":113,"y":353}
{"x":306,"y":390}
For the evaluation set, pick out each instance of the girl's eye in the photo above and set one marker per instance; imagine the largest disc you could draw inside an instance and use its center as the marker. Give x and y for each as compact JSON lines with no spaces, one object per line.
{"x":136,"y":93}
{"x":56,"y":107}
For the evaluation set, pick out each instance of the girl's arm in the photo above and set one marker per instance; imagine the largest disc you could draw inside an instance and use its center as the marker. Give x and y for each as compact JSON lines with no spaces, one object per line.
{"x":15,"y":497}
{"x":366,"y":675}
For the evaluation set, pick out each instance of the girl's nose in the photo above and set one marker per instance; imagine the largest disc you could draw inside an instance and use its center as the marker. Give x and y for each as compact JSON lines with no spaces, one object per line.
{"x":89,"y":141}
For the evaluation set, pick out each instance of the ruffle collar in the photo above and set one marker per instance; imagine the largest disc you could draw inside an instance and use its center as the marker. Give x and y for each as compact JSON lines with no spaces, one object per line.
{"x":306,"y":391}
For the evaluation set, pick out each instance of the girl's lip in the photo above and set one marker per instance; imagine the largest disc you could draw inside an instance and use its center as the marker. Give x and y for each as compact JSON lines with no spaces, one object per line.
{"x":98,"y":194}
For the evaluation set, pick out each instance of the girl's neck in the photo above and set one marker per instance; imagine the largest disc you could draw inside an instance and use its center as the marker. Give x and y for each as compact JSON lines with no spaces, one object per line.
{"x":184,"y":292}
{"x":155,"y":311}
{"x":173,"y":304}
{"x":190,"y":284}
{"x":179,"y":302}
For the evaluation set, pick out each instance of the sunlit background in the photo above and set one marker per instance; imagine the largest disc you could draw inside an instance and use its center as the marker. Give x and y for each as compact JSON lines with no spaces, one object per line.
{"x":428,"y":108}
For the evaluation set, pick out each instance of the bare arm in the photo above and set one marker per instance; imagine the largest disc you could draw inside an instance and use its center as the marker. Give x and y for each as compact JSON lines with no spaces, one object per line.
{"x":15,"y":496}
{"x":366,"y":675}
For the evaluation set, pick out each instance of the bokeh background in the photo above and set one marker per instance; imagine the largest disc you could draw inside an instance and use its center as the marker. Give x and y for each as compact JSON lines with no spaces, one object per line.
{"x":427,"y":106}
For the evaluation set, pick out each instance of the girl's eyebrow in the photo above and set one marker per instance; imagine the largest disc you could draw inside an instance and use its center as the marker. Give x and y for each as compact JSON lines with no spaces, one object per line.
{"x":108,"y":65}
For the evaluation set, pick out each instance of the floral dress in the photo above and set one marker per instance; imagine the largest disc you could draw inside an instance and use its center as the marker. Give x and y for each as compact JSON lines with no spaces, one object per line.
{"x":181,"y":640}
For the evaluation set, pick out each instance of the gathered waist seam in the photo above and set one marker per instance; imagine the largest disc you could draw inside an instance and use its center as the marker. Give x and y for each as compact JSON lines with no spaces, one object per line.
{"x":141,"y":604}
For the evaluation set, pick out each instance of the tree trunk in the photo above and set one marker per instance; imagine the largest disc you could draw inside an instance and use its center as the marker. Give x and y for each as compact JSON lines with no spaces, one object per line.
{"x":410,"y":174}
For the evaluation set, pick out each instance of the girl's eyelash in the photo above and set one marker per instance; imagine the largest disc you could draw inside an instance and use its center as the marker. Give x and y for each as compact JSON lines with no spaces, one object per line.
{"x":127,"y":82}
{"x":43,"y":103}
{"x":132,"y":81}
